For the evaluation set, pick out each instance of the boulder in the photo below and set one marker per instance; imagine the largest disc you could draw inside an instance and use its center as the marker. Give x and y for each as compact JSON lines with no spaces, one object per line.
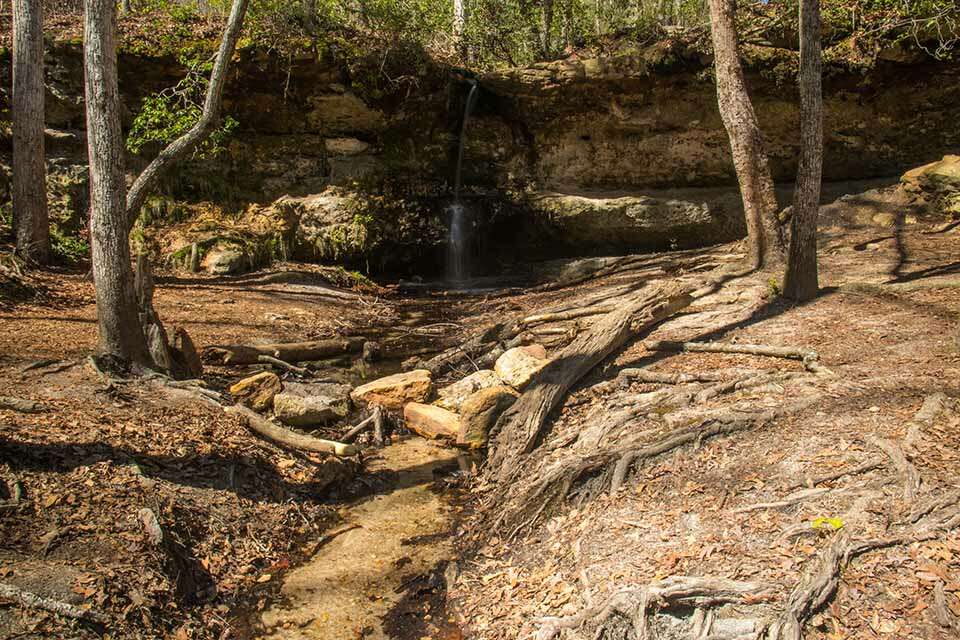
{"x":480,"y":412}
{"x":517,"y":366}
{"x":306,"y":405}
{"x":224,"y":259}
{"x":257,"y":391}
{"x":431,"y":421}
{"x":940,"y":177}
{"x":451,"y":397}
{"x":393,"y":392}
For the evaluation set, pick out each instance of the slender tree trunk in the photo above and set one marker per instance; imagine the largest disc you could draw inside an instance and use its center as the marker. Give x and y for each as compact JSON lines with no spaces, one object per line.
{"x":546,"y":17}
{"x":186,"y":143}
{"x":746,"y":140}
{"x":29,"y":172}
{"x":121,"y":334}
{"x":801,"y":281}
{"x":459,"y":18}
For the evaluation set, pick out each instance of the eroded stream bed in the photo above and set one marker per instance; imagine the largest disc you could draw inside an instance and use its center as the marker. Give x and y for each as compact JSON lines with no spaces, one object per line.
{"x":389,"y":544}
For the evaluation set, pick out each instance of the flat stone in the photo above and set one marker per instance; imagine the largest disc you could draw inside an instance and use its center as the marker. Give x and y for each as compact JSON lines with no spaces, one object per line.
{"x":517,"y":366}
{"x":306,"y":405}
{"x":480,"y":412}
{"x":224,"y":260}
{"x":257,"y":391}
{"x":452,"y":396}
{"x":394,"y":392}
{"x":431,"y":421}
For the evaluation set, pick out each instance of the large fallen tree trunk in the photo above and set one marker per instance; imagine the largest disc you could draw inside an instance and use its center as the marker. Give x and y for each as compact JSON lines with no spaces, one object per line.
{"x":286,"y":351}
{"x":519,"y":428}
{"x":288,"y":438}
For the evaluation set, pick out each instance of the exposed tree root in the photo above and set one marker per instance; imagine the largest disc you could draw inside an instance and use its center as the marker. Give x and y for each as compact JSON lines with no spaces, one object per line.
{"x":809,"y":357}
{"x":20,"y":405}
{"x":908,"y":473}
{"x":35,"y":601}
{"x":864,"y":467}
{"x":643,"y":375}
{"x":801,"y":496}
{"x":519,"y":428}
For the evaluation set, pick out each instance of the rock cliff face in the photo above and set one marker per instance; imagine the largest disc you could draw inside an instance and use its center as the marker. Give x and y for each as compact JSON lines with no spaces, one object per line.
{"x":576,"y":157}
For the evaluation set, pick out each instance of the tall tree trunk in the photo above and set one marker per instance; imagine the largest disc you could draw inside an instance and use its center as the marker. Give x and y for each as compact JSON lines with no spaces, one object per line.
{"x":546,"y":17}
{"x":459,"y":18}
{"x":117,"y":314}
{"x":126,"y":323}
{"x":746,"y":140}
{"x":801,"y":281}
{"x":29,"y":171}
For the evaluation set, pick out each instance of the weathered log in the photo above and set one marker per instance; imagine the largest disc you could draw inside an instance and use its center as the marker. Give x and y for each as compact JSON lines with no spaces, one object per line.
{"x":288,"y":438}
{"x":34,"y":601}
{"x":519,"y":428}
{"x":541,"y":318}
{"x":287,"y":351}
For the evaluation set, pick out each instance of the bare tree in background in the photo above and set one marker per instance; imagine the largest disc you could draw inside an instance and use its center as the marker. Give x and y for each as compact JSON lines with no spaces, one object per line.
{"x":546,"y":22}
{"x":29,"y":172}
{"x":128,"y":326}
{"x":801,"y":281}
{"x":459,"y":18}
{"x":746,"y":140}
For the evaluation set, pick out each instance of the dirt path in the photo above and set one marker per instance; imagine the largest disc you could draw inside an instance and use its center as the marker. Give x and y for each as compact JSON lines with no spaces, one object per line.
{"x":354,"y":580}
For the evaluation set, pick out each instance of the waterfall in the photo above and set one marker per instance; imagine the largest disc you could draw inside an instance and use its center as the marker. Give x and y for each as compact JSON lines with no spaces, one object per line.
{"x":461,"y":225}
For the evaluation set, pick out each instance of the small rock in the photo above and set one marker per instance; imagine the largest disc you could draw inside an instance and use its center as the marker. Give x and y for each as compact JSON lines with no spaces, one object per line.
{"x":224,"y":260}
{"x":311,"y":405}
{"x":480,"y":412}
{"x":887,"y":220}
{"x":371,"y":351}
{"x":431,"y":421}
{"x":453,"y":396}
{"x":393,"y":392}
{"x":517,"y":366}
{"x":257,"y":391}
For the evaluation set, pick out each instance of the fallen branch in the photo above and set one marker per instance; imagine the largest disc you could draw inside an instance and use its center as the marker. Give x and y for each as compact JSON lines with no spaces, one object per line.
{"x":809,"y":357}
{"x":364,"y":424}
{"x":35,"y":601}
{"x":288,"y":352}
{"x":542,"y":318}
{"x":644,"y":375}
{"x":287,"y":437}
{"x":286,"y":366}
{"x":796,"y":498}
{"x":21,"y":405}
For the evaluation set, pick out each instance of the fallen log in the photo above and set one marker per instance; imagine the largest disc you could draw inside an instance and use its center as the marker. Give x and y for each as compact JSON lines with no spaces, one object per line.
{"x":34,"y":601}
{"x":288,"y":351}
{"x":809,"y":357}
{"x":287,"y":437}
{"x":519,"y":428}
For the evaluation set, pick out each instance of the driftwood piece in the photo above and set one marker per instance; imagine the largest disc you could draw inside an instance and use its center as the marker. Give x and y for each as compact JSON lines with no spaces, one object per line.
{"x":809,"y":357}
{"x":288,"y":352}
{"x":287,"y":437}
{"x":519,"y":428}
{"x":34,"y":601}
{"x":21,"y":405}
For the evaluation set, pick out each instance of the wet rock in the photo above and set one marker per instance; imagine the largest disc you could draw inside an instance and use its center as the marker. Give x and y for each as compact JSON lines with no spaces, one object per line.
{"x":517,"y":366}
{"x":431,"y":421}
{"x":224,"y":259}
{"x":393,"y":392}
{"x":480,"y":412}
{"x":453,"y":396}
{"x":307,"y":405}
{"x":257,"y":391}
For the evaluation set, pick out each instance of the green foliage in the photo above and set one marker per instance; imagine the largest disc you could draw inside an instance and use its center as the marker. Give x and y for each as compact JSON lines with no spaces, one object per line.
{"x":68,"y":248}
{"x":169,"y":114}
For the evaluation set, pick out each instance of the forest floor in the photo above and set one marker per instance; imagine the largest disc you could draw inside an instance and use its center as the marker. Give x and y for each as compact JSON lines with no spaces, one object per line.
{"x":239,"y":515}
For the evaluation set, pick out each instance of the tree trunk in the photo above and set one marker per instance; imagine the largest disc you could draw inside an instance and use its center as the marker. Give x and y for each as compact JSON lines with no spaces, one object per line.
{"x":801,"y":282}
{"x":113,"y":210}
{"x":459,"y":18}
{"x":746,"y":140}
{"x":546,"y":22}
{"x":117,"y":314}
{"x":186,"y":143}
{"x":29,"y":172}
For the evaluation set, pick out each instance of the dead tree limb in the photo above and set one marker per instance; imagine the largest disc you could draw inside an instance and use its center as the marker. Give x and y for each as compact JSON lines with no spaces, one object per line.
{"x":284,"y":365}
{"x":370,"y":421}
{"x":286,"y":351}
{"x":287,"y":437}
{"x":519,"y":428}
{"x":809,"y":357}
{"x":21,"y":405}
{"x":644,"y":375}
{"x":34,"y":601}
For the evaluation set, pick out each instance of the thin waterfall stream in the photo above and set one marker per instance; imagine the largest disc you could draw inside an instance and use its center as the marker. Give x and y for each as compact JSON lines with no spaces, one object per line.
{"x":460,"y":231}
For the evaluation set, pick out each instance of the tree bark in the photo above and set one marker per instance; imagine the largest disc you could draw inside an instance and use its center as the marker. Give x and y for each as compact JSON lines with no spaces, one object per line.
{"x":186,"y":143}
{"x":546,"y":22}
{"x":121,"y":334}
{"x":801,"y":281}
{"x":29,"y":172}
{"x":459,"y":18}
{"x":746,"y":141}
